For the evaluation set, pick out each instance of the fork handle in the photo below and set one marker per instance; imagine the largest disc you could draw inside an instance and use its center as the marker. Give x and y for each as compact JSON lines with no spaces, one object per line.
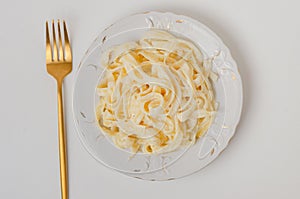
{"x":62,"y":143}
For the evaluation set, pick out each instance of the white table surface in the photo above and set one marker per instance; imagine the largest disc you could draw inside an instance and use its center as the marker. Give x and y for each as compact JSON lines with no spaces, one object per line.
{"x":263,"y":159}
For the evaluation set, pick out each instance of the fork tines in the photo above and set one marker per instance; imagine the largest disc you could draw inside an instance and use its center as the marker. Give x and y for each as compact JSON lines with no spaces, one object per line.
{"x":62,"y":51}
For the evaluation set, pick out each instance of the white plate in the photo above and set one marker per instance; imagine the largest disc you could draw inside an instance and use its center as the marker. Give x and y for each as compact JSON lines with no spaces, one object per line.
{"x":228,"y":90}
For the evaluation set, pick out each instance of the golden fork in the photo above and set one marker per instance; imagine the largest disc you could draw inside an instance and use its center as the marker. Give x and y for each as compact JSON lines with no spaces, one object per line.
{"x":59,"y":64}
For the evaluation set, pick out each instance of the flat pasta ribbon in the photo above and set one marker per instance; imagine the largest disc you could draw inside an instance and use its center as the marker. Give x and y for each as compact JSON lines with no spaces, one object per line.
{"x":155,"y":95}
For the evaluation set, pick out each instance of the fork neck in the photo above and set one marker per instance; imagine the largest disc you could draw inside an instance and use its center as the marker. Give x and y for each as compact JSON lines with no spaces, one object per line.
{"x":59,"y":82}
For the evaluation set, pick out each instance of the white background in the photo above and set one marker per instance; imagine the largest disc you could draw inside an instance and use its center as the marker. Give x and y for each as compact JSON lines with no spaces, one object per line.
{"x":263,"y":159}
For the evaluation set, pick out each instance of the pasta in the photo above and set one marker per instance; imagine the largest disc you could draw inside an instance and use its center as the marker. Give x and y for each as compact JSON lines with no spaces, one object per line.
{"x":155,"y":95}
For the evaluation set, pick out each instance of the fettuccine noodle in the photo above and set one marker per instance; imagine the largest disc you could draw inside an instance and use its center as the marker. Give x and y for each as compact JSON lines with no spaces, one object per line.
{"x":155,"y":95}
